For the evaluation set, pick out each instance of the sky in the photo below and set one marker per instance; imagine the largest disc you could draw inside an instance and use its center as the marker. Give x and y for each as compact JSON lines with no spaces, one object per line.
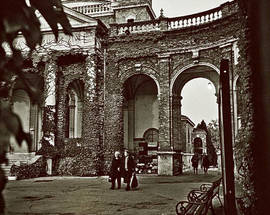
{"x":199,"y":102}
{"x":175,"y":8}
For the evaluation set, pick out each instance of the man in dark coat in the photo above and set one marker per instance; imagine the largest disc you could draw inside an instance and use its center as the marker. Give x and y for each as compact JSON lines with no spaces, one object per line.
{"x":195,"y":162}
{"x":205,"y":163}
{"x":128,"y":167}
{"x":115,"y":170}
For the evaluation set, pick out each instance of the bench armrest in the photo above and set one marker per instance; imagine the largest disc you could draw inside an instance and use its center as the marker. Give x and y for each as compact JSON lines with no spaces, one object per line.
{"x":205,"y":187}
{"x":196,"y":196}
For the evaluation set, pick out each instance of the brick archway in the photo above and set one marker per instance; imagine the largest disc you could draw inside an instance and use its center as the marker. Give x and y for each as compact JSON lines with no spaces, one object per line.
{"x":141,"y":70}
{"x":184,"y":75}
{"x":207,"y":75}
{"x":140,"y":108}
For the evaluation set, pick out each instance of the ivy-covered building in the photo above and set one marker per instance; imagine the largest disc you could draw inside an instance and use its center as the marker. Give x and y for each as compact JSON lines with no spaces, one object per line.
{"x":118,"y":80}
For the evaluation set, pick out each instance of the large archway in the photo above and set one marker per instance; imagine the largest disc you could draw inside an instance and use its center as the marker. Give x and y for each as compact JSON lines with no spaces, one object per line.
{"x":140,"y":109}
{"x":181,"y":78}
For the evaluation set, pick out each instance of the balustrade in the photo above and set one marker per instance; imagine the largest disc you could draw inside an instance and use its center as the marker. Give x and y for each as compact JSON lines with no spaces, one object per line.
{"x":170,"y":23}
{"x":194,"y":20}
{"x":94,"y":8}
{"x":159,"y":24}
{"x":138,"y":27}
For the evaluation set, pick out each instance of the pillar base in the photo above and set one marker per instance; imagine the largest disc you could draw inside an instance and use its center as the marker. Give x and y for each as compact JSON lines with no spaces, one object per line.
{"x":49,"y":166}
{"x":165,"y":163}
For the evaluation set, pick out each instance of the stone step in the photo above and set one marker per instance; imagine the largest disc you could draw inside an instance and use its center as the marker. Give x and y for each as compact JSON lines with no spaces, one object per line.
{"x":17,"y":158}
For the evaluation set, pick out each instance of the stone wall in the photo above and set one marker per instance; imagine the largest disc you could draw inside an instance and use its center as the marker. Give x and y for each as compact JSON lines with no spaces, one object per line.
{"x":161,"y":55}
{"x":136,"y":13}
{"x":166,"y":53}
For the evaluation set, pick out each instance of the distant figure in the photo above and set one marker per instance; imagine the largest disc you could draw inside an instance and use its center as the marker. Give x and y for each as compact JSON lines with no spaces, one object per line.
{"x":128,"y":167}
{"x":115,"y":170}
{"x":205,"y":163}
{"x":195,"y":162}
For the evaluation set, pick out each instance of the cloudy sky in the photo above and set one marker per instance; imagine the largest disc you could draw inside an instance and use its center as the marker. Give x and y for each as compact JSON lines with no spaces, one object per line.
{"x":199,"y":102}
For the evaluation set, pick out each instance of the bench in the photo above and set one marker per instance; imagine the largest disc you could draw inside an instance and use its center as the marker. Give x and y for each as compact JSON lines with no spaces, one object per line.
{"x":200,"y":200}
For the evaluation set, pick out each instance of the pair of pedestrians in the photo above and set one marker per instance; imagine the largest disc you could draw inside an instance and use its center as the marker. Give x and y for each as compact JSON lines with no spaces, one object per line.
{"x":122,"y":167}
{"x":195,"y":162}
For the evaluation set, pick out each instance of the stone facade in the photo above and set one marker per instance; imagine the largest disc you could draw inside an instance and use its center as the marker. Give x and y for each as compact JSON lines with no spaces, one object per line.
{"x":99,"y":60}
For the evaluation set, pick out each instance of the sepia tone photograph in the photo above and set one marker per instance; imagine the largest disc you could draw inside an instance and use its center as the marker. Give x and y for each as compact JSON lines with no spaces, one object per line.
{"x":125,"y":107}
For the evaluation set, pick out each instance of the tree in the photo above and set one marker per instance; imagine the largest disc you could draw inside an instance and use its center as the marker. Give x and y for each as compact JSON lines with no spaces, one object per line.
{"x":213,"y":129}
{"x":19,"y":17}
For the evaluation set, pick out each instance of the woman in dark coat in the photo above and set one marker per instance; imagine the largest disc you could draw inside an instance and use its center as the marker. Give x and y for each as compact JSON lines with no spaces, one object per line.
{"x":115,"y":170}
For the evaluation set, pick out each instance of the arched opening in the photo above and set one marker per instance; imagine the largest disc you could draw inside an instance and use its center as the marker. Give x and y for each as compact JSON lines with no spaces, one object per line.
{"x":74,"y":104}
{"x":140,"y":109}
{"x":151,"y":135}
{"x":30,"y":115}
{"x":189,"y":107}
{"x":203,"y":75}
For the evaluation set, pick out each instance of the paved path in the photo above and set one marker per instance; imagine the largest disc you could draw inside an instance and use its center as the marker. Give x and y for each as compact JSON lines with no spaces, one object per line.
{"x":91,"y":196}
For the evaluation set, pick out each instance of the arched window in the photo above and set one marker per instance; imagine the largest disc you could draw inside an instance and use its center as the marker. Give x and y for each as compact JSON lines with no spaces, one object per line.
{"x":74,"y":109}
{"x":151,"y":135}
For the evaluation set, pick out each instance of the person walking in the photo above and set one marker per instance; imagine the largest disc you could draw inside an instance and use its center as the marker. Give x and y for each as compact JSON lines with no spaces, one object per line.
{"x":128,"y":167}
{"x":205,"y":163}
{"x":195,"y":162}
{"x":115,"y":173}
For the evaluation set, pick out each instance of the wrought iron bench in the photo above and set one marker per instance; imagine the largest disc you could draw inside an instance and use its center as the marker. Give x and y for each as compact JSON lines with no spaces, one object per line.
{"x":199,"y":201}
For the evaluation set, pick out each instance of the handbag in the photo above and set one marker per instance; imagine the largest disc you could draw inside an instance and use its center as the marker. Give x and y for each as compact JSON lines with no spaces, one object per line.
{"x":134,"y":181}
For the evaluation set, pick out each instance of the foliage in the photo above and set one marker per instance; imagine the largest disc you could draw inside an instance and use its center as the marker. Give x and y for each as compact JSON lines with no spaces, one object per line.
{"x":83,"y":163}
{"x":34,"y":170}
{"x":245,"y":138}
{"x":213,"y":129}
{"x":211,"y":151}
{"x":245,"y":169}
{"x":19,"y":18}
{"x":47,"y":150}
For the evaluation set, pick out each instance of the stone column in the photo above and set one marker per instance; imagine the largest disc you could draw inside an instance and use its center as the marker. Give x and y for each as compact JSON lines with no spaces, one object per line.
{"x":131,"y":123}
{"x":60,"y":109}
{"x":177,"y":134}
{"x":49,"y":111}
{"x":50,"y":101}
{"x":125,"y":121}
{"x":113,"y":110}
{"x":176,"y":122}
{"x":165,"y":149}
{"x":91,"y":117}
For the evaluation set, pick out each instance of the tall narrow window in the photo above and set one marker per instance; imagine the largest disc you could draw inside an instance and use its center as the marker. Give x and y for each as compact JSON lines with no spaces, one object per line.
{"x":74,"y":109}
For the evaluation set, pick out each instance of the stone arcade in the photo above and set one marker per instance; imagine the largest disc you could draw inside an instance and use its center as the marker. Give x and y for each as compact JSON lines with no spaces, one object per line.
{"x":118,"y":80}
